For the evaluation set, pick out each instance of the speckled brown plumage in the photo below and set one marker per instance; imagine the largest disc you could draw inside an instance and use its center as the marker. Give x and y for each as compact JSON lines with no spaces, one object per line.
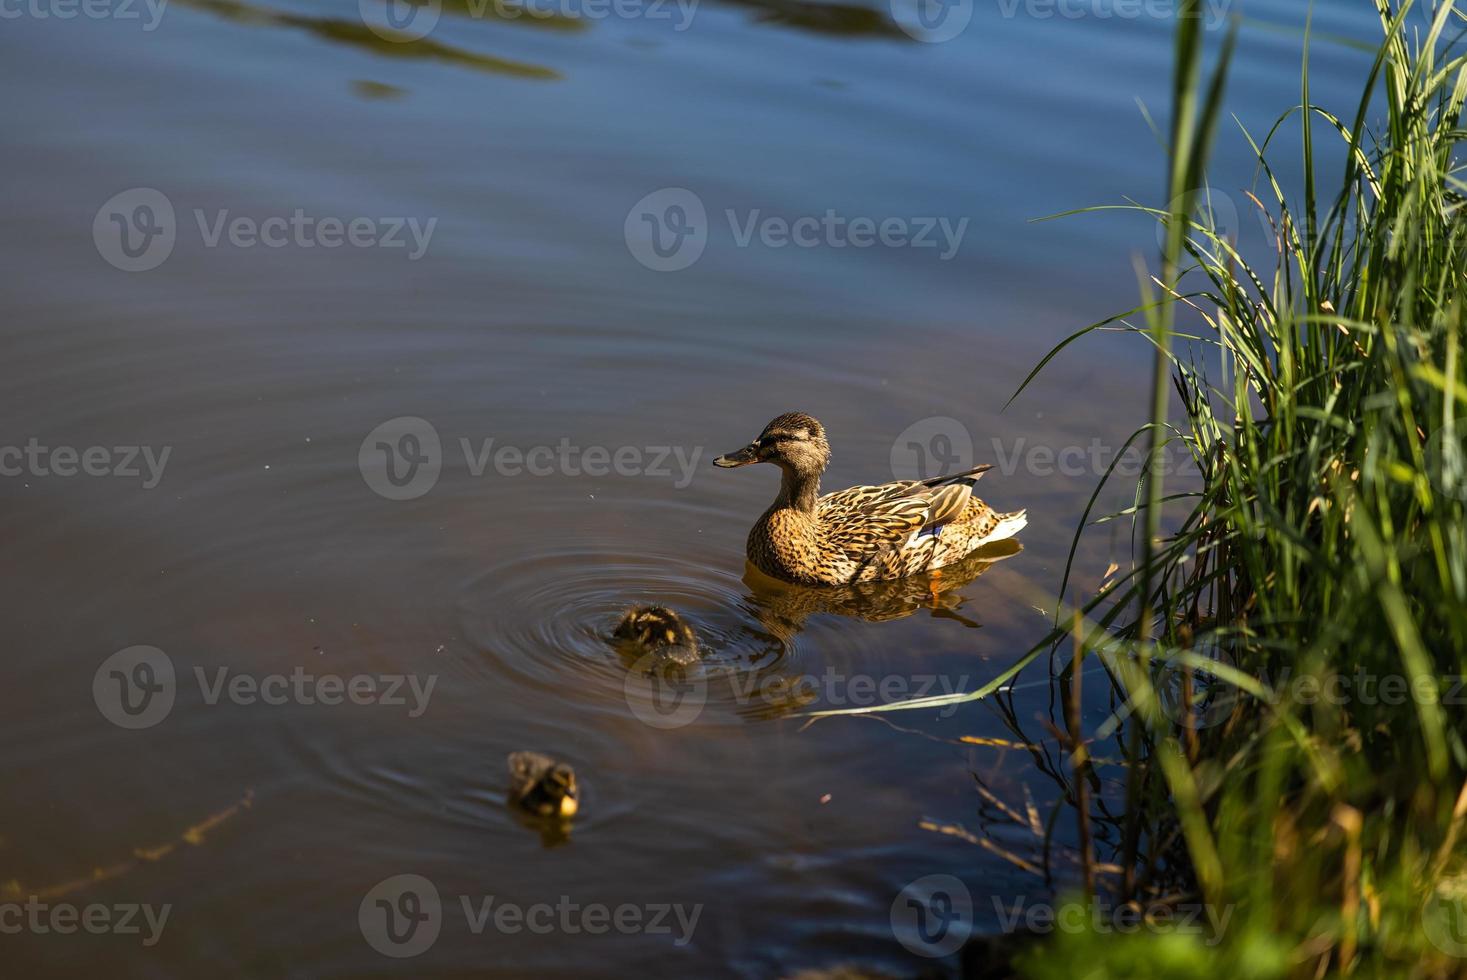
{"x":659,"y":632}
{"x":864,"y":533}
{"x":541,"y":786}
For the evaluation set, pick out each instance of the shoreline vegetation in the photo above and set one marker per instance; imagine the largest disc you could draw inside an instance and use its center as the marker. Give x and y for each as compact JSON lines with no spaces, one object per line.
{"x":1324,"y":401}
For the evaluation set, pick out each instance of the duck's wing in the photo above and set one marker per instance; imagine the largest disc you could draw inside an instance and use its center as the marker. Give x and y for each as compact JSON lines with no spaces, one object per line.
{"x":865,"y":534}
{"x":867,"y":523}
{"x":860,"y":498}
{"x":895,"y":504}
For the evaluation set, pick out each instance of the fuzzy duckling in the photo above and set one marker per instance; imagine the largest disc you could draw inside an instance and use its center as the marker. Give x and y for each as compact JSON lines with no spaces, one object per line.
{"x":658,"y":631}
{"x":541,"y":786}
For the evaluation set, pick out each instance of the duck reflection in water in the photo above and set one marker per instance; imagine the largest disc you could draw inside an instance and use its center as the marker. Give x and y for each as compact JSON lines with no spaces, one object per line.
{"x":782,"y":609}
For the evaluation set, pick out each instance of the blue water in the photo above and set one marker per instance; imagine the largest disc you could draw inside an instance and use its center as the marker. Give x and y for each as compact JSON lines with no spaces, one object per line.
{"x":528,"y":319}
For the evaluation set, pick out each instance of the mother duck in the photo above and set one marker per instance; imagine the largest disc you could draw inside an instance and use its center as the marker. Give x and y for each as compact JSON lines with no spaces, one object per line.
{"x":863,"y":534}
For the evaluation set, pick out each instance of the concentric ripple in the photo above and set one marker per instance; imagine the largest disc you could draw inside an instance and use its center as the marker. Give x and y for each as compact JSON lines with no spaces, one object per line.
{"x":547,"y":618}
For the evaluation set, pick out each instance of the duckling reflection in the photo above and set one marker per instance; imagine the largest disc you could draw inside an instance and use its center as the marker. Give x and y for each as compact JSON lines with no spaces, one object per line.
{"x":783,"y":607}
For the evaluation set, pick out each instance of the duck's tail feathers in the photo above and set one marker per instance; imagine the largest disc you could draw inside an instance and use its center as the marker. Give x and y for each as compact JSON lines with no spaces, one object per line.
{"x":968,"y":476}
{"x":1008,"y":525}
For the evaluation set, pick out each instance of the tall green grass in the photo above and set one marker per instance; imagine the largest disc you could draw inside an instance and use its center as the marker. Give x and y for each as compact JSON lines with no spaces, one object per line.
{"x":1323,"y":551}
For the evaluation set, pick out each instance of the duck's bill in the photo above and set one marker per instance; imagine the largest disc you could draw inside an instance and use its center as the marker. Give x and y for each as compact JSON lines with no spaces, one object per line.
{"x":742,"y":457}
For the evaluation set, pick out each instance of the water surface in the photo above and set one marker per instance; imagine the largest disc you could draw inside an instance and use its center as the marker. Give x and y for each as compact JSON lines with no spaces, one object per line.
{"x":263,"y":551}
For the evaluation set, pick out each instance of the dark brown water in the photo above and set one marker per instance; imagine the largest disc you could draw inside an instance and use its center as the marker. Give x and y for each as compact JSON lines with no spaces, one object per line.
{"x":265,"y":551}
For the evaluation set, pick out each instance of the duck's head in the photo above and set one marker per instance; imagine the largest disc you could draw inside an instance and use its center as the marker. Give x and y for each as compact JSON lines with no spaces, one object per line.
{"x":559,"y":783}
{"x":795,"y":442}
{"x":655,"y":627}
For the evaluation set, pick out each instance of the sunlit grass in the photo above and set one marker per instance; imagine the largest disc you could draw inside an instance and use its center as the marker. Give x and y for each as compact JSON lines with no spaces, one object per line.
{"x":1327,"y":545}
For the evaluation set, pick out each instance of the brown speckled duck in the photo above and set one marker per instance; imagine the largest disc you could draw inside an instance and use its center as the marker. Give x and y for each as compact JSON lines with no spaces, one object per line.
{"x":863,"y":534}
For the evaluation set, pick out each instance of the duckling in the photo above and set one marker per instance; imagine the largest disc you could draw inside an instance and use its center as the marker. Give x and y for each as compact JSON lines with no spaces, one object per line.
{"x":542,"y":786}
{"x":863,"y":533}
{"x":659,"y":631}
